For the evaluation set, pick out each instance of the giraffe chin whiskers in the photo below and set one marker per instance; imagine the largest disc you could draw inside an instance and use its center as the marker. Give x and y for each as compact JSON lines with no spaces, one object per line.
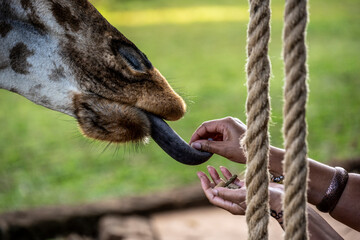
{"x":110,"y":121}
{"x":114,"y":122}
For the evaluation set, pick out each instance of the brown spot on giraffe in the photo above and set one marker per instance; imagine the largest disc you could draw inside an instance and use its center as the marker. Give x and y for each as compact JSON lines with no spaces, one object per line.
{"x":35,"y":91}
{"x":5,"y":28}
{"x":33,"y":17}
{"x":64,"y":17}
{"x":44,"y":100}
{"x":14,"y":90}
{"x":25,"y":4}
{"x":37,"y":87}
{"x":57,"y":74}
{"x":83,"y":3}
{"x":4,"y":65}
{"x":18,"y":58}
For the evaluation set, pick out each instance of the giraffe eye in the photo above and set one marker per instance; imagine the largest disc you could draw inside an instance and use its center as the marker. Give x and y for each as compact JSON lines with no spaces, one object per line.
{"x":131,"y":54}
{"x":132,"y":57}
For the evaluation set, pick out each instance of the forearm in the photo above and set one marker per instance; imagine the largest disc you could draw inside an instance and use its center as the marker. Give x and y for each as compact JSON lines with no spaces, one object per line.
{"x":320,"y":175}
{"x":347,"y":209}
{"x":320,"y":229}
{"x":317,"y":226}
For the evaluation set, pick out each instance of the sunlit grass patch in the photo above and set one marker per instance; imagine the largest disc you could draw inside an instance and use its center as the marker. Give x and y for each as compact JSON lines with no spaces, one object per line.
{"x":198,"y":14}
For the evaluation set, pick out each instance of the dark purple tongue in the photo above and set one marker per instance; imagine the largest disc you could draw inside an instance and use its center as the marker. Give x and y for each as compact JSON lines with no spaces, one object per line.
{"x":173,"y":144}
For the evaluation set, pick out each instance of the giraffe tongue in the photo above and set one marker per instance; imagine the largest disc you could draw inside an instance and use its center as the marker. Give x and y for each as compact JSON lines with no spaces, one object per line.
{"x":173,"y":144}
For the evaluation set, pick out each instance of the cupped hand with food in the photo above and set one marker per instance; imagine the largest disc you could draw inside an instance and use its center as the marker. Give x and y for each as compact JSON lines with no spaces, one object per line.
{"x":222,"y":137}
{"x":234,"y":200}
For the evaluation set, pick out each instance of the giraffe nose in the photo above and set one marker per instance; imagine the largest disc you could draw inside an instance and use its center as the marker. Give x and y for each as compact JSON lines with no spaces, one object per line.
{"x":161,"y":99}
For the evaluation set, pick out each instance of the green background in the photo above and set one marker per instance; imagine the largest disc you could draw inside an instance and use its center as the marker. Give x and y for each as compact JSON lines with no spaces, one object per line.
{"x":44,"y":160}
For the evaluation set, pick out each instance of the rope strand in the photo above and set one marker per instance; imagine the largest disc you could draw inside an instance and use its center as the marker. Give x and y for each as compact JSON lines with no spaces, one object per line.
{"x":294,"y":128}
{"x":256,"y":141}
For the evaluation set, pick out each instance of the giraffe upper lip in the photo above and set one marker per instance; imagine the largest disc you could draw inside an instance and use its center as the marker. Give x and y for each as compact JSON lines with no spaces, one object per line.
{"x":173,"y":144}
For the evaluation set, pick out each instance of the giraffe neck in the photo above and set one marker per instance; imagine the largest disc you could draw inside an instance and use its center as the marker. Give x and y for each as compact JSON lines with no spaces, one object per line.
{"x":30,"y":57}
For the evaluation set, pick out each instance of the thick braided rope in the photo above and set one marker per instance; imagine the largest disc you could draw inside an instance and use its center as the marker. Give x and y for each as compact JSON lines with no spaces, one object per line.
{"x":295,"y":130}
{"x":256,"y":141}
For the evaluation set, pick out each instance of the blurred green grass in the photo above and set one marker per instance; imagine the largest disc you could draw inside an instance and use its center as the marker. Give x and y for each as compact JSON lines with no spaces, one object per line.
{"x":44,"y":160}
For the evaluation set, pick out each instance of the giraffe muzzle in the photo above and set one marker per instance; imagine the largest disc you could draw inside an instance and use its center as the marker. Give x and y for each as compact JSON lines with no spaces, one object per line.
{"x":173,"y":144}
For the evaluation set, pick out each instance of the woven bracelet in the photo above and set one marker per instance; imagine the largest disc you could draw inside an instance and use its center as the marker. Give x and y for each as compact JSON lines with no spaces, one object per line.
{"x":333,"y":193}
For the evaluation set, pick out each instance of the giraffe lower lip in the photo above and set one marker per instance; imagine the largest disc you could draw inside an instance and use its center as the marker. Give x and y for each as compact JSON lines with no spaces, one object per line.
{"x":173,"y":144}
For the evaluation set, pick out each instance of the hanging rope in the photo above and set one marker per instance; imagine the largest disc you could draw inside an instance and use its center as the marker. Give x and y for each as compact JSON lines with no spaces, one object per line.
{"x":295,"y":130}
{"x":256,"y":141}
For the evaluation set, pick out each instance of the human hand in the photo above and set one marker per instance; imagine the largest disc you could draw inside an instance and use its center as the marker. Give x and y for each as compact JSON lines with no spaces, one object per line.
{"x":224,"y":135}
{"x":234,"y":200}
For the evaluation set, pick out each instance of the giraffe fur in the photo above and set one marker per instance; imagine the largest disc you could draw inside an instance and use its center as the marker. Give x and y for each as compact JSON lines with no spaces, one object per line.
{"x":64,"y":55}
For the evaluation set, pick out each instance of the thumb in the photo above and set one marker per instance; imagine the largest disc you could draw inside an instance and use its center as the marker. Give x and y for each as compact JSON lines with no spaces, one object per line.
{"x":209,"y":146}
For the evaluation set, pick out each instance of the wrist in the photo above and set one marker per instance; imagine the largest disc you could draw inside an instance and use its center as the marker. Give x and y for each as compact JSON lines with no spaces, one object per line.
{"x":276,"y":192}
{"x":320,"y":176}
{"x":276,"y":157}
{"x":278,"y":215}
{"x":334,"y":191}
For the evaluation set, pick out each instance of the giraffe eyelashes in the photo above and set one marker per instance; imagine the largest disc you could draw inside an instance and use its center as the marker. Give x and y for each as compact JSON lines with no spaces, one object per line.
{"x":131,"y":58}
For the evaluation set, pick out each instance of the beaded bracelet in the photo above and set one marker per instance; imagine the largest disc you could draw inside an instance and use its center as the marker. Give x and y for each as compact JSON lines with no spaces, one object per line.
{"x":277,"y":179}
{"x":333,"y":193}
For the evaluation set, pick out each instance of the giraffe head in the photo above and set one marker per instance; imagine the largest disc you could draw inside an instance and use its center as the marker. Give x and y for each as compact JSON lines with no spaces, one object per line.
{"x":65,"y":56}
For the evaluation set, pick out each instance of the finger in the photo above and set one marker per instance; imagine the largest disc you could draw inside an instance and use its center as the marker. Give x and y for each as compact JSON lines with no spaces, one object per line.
{"x":230,"y":206}
{"x":231,"y":195}
{"x":209,"y":146}
{"x":214,"y":175}
{"x":205,"y":182}
{"x":216,"y":200}
{"x":227,"y":174}
{"x":243,"y":205}
{"x":207,"y":129}
{"x":240,"y":122}
{"x":218,"y":137}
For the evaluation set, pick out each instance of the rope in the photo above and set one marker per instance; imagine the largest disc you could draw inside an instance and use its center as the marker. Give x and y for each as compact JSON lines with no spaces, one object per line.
{"x":294,"y":129}
{"x":256,"y":140}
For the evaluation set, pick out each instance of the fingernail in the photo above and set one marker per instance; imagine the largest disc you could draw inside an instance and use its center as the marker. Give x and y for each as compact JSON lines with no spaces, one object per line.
{"x":196,"y":145}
